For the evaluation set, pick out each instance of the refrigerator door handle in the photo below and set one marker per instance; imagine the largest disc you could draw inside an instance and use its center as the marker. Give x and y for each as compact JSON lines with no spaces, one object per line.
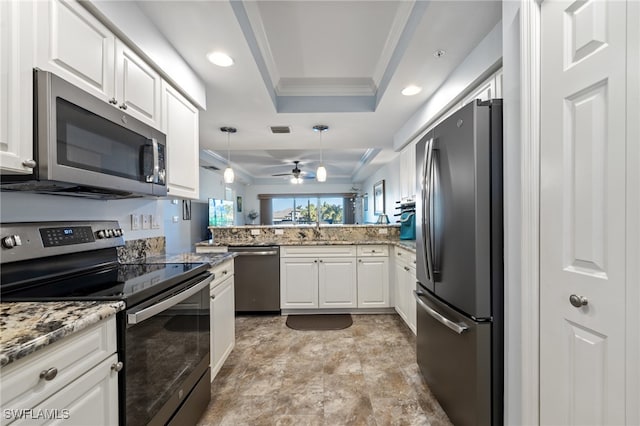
{"x":457,"y":327}
{"x":426,"y":208}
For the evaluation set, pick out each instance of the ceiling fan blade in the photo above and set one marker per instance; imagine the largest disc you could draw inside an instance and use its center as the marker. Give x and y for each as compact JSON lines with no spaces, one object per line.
{"x":282,"y":174}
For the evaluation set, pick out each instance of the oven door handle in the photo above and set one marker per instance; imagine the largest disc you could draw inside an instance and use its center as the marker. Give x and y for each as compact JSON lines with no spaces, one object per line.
{"x":146,"y":313}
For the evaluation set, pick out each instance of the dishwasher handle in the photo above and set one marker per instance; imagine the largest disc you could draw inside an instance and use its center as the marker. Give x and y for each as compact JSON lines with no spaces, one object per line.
{"x":257,"y":253}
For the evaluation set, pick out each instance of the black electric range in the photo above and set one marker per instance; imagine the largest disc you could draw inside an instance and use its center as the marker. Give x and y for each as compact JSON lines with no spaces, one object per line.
{"x":163,"y":334}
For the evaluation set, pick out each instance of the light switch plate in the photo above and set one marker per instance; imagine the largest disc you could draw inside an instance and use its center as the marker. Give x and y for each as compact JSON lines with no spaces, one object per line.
{"x":146,"y":221}
{"x":383,"y":231}
{"x":255,"y":232}
{"x":135,"y":222}
{"x":155,"y":223}
{"x":174,"y":219}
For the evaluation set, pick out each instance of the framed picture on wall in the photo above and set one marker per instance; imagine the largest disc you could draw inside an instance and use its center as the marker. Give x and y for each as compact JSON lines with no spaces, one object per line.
{"x":365,"y":201}
{"x":378,"y":197}
{"x":239,"y":204}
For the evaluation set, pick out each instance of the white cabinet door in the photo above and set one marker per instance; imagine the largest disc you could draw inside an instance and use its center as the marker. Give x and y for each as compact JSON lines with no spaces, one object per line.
{"x":373,"y":282}
{"x":180,"y":123}
{"x":223,"y":334}
{"x":411,"y":302}
{"x":408,"y":172}
{"x":401,"y":297}
{"x":17,"y":45}
{"x":91,"y":399}
{"x":583,"y":212}
{"x":337,"y":286}
{"x":75,"y":46}
{"x":298,"y":283}
{"x":138,"y":86}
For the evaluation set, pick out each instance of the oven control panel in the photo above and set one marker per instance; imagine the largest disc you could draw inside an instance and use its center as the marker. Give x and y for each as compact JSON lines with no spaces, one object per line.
{"x":33,"y":240}
{"x":66,"y":235}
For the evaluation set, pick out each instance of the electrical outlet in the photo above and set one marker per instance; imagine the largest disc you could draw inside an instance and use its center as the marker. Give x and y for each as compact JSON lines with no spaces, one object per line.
{"x":174,"y":202}
{"x":135,"y":222}
{"x":279,"y":231}
{"x":155,"y":223}
{"x":146,"y":221}
{"x":174,"y":219}
{"x":383,"y":231}
{"x":255,"y":232}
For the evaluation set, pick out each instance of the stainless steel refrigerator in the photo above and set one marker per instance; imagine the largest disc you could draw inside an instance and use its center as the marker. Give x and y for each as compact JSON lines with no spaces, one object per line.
{"x":459,"y":233}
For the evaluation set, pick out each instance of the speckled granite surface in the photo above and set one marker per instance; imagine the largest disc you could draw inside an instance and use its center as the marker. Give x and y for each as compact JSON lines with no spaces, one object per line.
{"x":212,"y":259}
{"x":27,"y":327}
{"x":141,"y":249}
{"x":293,"y":235}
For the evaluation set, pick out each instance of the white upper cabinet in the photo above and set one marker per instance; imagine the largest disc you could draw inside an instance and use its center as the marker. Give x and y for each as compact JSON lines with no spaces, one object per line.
{"x":138,"y":86}
{"x":408,"y":172}
{"x":16,"y":86}
{"x":489,"y":89}
{"x":76,"y":46}
{"x":180,"y":123}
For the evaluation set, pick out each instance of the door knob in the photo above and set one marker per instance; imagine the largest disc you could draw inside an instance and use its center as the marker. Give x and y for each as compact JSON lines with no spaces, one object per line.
{"x":578,"y":301}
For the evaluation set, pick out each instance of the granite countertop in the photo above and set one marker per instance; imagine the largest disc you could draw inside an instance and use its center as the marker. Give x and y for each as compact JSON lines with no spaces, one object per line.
{"x":212,"y":259}
{"x":26,"y":327}
{"x":406,"y":244}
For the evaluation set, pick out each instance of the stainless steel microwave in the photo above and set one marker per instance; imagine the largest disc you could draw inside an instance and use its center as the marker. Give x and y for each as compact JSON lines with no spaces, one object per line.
{"x":86,"y":147}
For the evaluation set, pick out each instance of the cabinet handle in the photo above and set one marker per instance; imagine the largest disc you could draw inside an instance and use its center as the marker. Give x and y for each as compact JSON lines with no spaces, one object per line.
{"x":117,"y":366}
{"x":225,"y":272}
{"x":213,"y":297}
{"x":360,"y":260}
{"x":113,"y":101}
{"x":406,"y":268}
{"x":399,"y":254}
{"x":373,"y":251}
{"x":123,"y":106}
{"x":315,"y":261}
{"x":49,"y":374}
{"x":578,"y":301}
{"x":29,"y":163}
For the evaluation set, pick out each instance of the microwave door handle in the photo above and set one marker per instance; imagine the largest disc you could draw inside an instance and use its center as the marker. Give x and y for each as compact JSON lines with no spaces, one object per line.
{"x":146,"y":313}
{"x":156,"y":163}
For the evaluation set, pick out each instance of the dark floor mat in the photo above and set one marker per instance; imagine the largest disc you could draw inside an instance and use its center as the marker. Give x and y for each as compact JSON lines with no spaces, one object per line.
{"x":319,"y":322}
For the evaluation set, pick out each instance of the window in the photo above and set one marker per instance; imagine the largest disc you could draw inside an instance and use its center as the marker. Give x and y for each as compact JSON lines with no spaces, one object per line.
{"x":290,"y":209}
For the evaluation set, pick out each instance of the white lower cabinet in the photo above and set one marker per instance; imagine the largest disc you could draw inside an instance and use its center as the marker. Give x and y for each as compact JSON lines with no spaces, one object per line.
{"x":373,"y":277}
{"x":405,"y":283}
{"x":318,"y":277}
{"x":73,"y":381}
{"x":222,"y":305}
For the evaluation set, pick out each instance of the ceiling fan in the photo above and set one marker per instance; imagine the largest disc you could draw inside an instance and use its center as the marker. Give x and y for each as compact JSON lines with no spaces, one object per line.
{"x":297,"y":173}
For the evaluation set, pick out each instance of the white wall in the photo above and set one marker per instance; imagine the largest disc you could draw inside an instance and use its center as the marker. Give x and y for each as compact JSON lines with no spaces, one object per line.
{"x":183,"y":234}
{"x":391,"y":175}
{"x":25,"y":207}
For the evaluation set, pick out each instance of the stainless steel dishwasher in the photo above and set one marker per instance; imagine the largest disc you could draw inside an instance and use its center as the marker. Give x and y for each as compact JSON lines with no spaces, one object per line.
{"x":257,"y":279}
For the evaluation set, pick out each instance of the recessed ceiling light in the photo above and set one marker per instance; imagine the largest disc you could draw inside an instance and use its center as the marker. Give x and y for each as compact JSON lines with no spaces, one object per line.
{"x":220,"y":59}
{"x":411,"y":90}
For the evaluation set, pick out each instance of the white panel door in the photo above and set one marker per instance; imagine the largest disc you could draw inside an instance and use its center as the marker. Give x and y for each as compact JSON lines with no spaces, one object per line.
{"x":337,"y":283}
{"x":75,"y":46}
{"x":138,"y":86}
{"x":582,"y":241}
{"x":298,"y":283}
{"x":223,"y":327}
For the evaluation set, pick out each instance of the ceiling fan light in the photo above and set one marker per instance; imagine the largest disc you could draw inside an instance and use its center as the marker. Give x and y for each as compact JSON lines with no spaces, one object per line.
{"x":321,"y":174}
{"x":296,"y":180}
{"x":229,"y":176}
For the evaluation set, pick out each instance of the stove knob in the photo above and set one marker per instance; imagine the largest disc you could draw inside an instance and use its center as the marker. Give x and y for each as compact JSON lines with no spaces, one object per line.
{"x":120,"y":233}
{"x":11,"y":241}
{"x":109,"y":233}
{"x":101,"y":234}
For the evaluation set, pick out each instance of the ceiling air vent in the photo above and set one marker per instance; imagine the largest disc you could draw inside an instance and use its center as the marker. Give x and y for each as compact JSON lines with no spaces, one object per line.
{"x":280,"y":129}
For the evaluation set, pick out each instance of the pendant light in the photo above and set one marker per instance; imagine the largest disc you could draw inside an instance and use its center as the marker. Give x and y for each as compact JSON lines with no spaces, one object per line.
{"x":229,"y":176}
{"x":321,"y":172}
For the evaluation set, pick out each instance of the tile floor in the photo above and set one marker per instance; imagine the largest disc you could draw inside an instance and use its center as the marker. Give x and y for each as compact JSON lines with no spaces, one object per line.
{"x":363,"y":375}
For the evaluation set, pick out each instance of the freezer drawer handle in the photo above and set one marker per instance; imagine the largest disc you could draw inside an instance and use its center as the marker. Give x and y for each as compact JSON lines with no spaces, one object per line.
{"x":256,"y":253}
{"x":458,"y":328}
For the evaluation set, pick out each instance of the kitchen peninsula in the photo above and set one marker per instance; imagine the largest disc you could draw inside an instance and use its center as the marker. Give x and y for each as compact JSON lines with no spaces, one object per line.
{"x":324,"y":269}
